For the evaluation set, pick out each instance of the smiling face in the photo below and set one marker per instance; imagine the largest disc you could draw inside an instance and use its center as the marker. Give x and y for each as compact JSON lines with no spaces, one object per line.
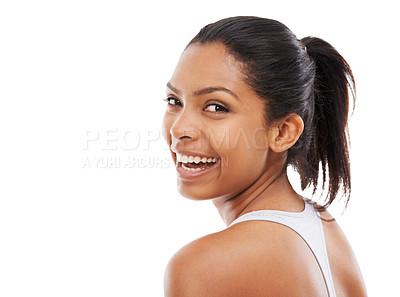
{"x":214,"y":125}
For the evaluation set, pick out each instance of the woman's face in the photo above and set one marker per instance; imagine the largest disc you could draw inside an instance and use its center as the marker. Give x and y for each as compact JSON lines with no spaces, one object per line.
{"x":214,"y":125}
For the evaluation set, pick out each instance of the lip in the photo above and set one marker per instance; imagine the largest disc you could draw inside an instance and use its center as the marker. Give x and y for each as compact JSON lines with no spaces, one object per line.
{"x":186,"y":174}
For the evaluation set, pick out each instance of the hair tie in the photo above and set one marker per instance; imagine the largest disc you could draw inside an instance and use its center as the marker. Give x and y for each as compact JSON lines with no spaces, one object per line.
{"x":303,"y":46}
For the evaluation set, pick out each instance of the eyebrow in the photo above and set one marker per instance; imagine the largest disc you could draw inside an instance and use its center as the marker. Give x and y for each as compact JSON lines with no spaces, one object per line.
{"x":205,"y":91}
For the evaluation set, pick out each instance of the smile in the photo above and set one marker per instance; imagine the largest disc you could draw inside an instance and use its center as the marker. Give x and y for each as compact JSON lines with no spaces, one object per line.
{"x":190,"y":159}
{"x":194,"y":165}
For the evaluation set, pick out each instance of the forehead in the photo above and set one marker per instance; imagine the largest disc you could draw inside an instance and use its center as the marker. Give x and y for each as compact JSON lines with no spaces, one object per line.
{"x":207,"y":65}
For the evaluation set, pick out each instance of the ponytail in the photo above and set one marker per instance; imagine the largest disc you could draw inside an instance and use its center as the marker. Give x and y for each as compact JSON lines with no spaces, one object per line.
{"x":329,"y":137}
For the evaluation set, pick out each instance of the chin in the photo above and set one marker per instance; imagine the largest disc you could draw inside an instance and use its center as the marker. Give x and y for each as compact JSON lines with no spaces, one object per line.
{"x":193,"y":192}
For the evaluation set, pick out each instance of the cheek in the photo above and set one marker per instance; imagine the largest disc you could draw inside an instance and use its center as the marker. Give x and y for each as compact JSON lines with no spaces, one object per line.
{"x":166,"y":127}
{"x":260,"y":138}
{"x":219,"y":139}
{"x":249,"y":140}
{"x":246,"y":156}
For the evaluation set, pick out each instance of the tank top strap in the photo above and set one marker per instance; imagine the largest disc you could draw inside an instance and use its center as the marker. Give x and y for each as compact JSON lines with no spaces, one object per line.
{"x":307,"y":224}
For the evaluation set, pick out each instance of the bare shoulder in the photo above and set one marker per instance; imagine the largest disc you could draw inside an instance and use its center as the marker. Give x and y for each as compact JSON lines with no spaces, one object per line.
{"x":346,"y":274}
{"x":247,"y":259}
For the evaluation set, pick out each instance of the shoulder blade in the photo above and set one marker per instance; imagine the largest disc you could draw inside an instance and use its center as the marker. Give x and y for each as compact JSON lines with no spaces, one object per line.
{"x":249,"y":259}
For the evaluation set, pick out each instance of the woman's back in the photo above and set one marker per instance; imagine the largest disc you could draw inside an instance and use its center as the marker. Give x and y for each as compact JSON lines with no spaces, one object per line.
{"x":308,"y":225}
{"x":263,"y":258}
{"x":347,"y":277}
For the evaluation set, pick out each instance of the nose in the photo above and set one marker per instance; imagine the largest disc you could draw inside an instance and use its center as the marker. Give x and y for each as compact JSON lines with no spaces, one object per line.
{"x":184,"y":128}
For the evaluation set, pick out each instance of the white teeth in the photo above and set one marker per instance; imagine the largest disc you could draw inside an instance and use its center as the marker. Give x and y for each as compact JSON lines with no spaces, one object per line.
{"x":196,"y":159}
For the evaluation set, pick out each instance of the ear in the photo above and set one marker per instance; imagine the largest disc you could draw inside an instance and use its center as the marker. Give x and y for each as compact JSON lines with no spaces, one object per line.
{"x":283,"y":134}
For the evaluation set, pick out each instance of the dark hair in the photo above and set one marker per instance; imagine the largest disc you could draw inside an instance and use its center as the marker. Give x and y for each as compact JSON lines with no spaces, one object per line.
{"x":307,"y":77}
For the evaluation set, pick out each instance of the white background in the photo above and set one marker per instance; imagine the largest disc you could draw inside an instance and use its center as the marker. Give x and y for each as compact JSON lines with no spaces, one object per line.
{"x":74,"y":70}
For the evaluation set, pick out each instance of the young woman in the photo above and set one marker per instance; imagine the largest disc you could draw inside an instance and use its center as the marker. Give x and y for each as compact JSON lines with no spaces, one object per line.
{"x":248,"y":99}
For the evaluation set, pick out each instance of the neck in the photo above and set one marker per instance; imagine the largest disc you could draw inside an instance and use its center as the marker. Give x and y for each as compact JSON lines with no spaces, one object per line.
{"x":269,"y":191}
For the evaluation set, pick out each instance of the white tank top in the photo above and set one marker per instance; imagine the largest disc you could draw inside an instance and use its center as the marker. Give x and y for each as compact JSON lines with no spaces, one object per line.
{"x":308,"y":225}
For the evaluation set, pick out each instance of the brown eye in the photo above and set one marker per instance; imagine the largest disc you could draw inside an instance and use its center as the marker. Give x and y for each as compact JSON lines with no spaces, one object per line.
{"x":216,"y":108}
{"x":173,"y":101}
